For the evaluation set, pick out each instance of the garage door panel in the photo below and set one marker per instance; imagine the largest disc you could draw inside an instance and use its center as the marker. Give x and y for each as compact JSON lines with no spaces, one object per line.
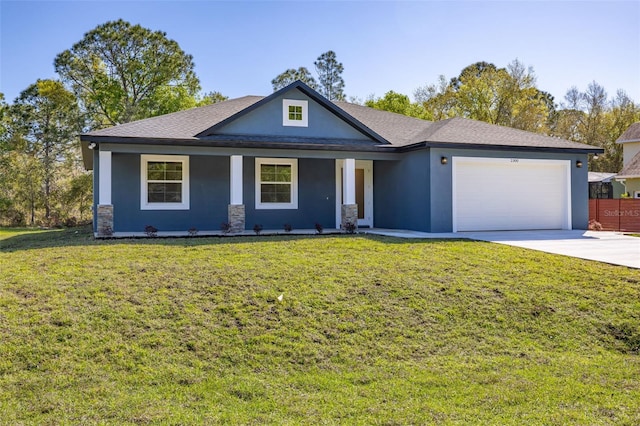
{"x":502,"y":194}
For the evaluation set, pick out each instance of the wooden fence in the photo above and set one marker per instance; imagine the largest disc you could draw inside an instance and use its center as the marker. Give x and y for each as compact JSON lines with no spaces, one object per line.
{"x":616,"y":215}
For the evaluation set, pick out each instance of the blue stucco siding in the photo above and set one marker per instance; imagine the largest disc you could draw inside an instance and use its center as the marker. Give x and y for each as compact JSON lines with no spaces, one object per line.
{"x":209,"y":196}
{"x":267,"y":120}
{"x":441,"y":183}
{"x":402,"y":192}
{"x":412,"y":190}
{"x":316,"y":197}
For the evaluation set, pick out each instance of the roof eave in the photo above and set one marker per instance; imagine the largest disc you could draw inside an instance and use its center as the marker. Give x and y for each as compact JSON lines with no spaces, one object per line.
{"x":238,"y":144}
{"x":487,"y":147}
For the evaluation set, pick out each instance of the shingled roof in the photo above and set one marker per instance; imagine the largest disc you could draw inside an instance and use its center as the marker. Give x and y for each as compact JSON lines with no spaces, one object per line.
{"x":632,"y":134}
{"x":179,"y":125}
{"x":631,"y":169}
{"x":401,"y":132}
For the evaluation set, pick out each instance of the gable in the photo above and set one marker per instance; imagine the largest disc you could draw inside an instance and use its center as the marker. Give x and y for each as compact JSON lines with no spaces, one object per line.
{"x":267,"y":120}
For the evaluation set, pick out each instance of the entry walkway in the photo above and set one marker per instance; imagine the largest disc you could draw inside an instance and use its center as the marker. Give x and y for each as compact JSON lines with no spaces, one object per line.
{"x":609,"y":247}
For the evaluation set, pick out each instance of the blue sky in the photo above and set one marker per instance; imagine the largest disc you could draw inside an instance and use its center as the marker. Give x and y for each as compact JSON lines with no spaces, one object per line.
{"x":238,"y":47}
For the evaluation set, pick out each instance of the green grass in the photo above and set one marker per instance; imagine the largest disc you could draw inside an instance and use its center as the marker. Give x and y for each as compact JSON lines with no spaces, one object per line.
{"x":371,"y":330}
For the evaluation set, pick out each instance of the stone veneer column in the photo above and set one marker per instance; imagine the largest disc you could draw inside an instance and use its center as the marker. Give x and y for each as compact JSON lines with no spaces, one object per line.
{"x":349,"y":214}
{"x":236,"y":217}
{"x":105,"y":220}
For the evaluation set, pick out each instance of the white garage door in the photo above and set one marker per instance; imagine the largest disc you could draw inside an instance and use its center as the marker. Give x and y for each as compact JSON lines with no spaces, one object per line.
{"x":491,"y":194}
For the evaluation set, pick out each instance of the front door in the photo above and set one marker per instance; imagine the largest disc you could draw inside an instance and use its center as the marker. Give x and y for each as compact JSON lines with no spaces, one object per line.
{"x":364,"y":192}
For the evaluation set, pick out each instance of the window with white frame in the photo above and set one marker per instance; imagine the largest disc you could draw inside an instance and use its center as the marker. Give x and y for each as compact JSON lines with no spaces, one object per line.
{"x":165,"y":182}
{"x":276,"y":183}
{"x":295,"y":113}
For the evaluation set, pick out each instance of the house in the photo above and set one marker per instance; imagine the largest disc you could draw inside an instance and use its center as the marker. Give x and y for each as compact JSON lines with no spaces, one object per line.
{"x":630,"y":173}
{"x":603,"y":185}
{"x":296,"y":158}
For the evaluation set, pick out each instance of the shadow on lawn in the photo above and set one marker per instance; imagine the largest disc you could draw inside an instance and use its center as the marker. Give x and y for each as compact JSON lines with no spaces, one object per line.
{"x":83,"y":236}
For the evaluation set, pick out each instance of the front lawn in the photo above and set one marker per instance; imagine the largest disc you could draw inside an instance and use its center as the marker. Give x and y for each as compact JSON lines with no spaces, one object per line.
{"x":370,"y":330}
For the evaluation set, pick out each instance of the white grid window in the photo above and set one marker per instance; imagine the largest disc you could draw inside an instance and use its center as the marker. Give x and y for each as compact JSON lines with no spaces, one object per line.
{"x":164,"y":182}
{"x":295,"y":113}
{"x":276,"y":183}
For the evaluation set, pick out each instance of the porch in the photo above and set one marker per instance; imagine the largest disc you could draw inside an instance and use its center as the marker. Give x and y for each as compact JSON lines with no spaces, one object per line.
{"x":210,"y":192}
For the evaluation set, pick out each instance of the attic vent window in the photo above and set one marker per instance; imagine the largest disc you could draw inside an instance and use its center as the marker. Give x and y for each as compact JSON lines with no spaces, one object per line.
{"x":295,"y":113}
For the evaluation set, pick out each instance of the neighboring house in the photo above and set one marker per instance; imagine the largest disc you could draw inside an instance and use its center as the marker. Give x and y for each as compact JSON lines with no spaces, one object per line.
{"x":296,"y":158}
{"x":630,"y":173}
{"x":603,"y":185}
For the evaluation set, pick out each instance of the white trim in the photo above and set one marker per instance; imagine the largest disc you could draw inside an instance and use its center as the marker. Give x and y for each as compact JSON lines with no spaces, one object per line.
{"x":104,"y":180}
{"x":455,"y":161}
{"x":286,"y":103}
{"x":293,"y":162}
{"x":235,"y":187}
{"x":367,"y":166}
{"x":349,"y":180}
{"x":144,"y":203}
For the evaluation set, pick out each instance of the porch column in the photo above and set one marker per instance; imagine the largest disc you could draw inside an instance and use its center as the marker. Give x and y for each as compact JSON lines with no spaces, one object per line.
{"x":236,"y":212}
{"x":104,"y":213}
{"x":349,"y":211}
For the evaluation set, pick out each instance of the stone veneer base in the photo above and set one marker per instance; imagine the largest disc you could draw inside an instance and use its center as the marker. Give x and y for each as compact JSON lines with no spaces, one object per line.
{"x":236,"y":217}
{"x":349,"y":215}
{"x":105,"y":220}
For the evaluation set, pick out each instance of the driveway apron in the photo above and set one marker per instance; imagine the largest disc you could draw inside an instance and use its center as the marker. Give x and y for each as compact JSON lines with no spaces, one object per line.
{"x":609,"y":247}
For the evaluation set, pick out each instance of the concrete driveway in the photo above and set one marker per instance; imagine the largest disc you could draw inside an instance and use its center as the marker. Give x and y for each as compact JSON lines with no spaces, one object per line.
{"x":608,"y":247}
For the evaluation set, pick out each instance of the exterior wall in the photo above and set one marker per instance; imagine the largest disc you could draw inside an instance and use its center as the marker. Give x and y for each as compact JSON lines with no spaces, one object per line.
{"x":441,"y":184}
{"x":316,"y":197}
{"x":267,"y":120}
{"x":402,"y":192}
{"x":411,"y":191}
{"x":209,"y":184}
{"x":209,"y":196}
{"x":618,"y":188}
{"x":632,"y":185}
{"x":629,"y":150}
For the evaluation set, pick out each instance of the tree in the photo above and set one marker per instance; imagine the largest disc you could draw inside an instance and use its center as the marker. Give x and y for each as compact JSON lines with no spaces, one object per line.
{"x":623,"y":113}
{"x":45,"y":126}
{"x":590,"y":117}
{"x":398,"y":103}
{"x":211,"y":98}
{"x":482,"y":91}
{"x":291,"y":75}
{"x":122,"y":72}
{"x":329,"y":71}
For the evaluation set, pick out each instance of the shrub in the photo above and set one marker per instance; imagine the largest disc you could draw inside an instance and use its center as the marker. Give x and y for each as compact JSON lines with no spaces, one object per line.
{"x":107,"y":231}
{"x":319,"y":228}
{"x":350,"y":227}
{"x":71,"y":222}
{"x":594,"y":225}
{"x":151,"y":231}
{"x":257,"y":229}
{"x":288,"y":227}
